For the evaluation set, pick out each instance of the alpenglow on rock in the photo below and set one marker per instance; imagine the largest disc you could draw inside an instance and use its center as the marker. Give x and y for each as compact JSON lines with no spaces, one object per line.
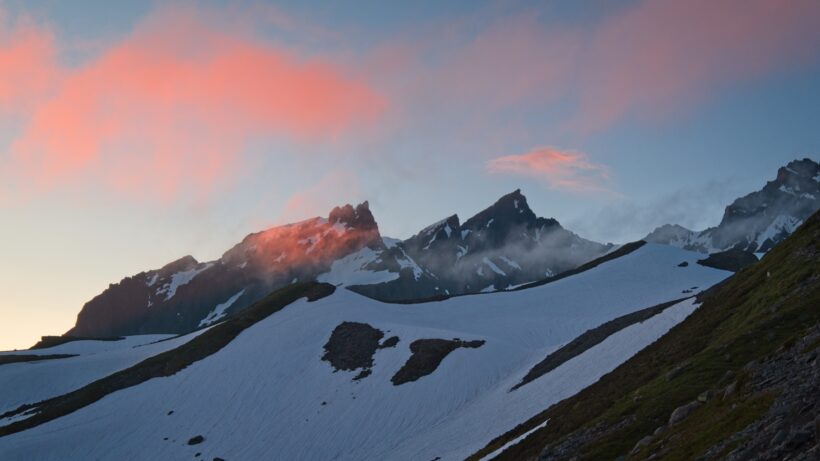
{"x":187,"y":294}
{"x":502,"y":246}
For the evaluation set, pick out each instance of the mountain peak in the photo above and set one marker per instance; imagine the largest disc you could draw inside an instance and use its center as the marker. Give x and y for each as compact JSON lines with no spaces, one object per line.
{"x":182,"y":264}
{"x":511,"y":209}
{"x":359,"y":217}
{"x":760,"y":219}
{"x":804,"y":169}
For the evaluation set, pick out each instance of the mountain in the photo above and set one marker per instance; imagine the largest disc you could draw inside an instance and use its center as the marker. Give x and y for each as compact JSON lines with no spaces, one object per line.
{"x":186,"y":294}
{"x":757,"y":221}
{"x":646,"y":351}
{"x":312,"y":371}
{"x":503,"y":246}
{"x":739,"y":379}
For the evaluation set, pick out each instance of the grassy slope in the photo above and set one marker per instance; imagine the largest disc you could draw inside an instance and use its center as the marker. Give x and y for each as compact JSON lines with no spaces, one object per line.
{"x":760,"y":309}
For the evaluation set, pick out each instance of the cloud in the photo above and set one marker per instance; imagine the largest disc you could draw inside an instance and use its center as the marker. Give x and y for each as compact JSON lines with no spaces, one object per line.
{"x":166,"y":112}
{"x":562,"y":170}
{"x":27,"y":67}
{"x":662,"y":55}
{"x":330,"y":191}
{"x":628,"y":219}
{"x":650,"y":59}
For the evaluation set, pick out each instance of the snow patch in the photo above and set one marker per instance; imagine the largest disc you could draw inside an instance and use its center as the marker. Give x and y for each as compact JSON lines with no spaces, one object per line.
{"x":180,"y":279}
{"x":219,"y":310}
{"x":510,"y":262}
{"x":514,"y":441}
{"x":461,"y":251}
{"x":350,"y":270}
{"x":390,"y":242}
{"x":407,"y":261}
{"x":780,"y":224}
{"x":493,"y":267}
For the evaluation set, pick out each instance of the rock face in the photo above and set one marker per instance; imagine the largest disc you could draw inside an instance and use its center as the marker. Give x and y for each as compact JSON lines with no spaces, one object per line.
{"x":757,"y":221}
{"x":427,"y":355}
{"x":351,"y":346}
{"x":187,"y":294}
{"x":500,"y":247}
{"x":504,"y":245}
{"x":730,"y":260}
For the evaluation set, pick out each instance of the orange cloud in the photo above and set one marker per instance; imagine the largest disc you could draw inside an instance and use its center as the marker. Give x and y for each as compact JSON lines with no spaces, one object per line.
{"x":168,"y":111}
{"x":562,"y":170}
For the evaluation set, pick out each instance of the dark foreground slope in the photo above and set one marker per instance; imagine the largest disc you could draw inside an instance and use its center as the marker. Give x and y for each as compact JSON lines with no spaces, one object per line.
{"x":738,"y":379}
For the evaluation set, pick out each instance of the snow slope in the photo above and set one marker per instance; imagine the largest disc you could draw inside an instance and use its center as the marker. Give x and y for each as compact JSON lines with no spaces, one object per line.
{"x":267,"y":394}
{"x":30,"y":382}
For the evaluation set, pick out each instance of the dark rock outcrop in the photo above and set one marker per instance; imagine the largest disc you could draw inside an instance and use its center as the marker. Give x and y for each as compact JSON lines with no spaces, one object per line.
{"x":427,"y":355}
{"x":730,"y":260}
{"x":351,"y":347}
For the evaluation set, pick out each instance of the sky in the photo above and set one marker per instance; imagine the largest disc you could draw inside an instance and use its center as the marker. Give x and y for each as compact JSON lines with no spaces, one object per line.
{"x":135,"y":132}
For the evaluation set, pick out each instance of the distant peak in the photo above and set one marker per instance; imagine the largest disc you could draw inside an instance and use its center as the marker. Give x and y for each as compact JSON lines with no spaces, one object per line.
{"x":805,"y":169}
{"x":451,"y":221}
{"x":511,"y":208}
{"x":359,"y":217}
{"x":184,"y":263}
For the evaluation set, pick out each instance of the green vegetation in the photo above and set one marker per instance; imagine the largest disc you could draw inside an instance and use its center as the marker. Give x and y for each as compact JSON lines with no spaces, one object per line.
{"x":764,"y":307}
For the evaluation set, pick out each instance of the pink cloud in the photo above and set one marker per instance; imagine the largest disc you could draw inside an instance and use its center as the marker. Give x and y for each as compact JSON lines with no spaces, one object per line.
{"x":561,"y":170}
{"x":319,"y":198}
{"x":664,"y":54}
{"x":167,"y":111}
{"x":650,"y":59}
{"x":27,"y":68}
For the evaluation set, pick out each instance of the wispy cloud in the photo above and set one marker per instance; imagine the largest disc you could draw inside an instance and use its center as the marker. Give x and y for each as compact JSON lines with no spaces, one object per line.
{"x":333,"y":189}
{"x":663,"y":55}
{"x":168,"y":110}
{"x":27,"y":64}
{"x":649,"y":59}
{"x":562,"y":170}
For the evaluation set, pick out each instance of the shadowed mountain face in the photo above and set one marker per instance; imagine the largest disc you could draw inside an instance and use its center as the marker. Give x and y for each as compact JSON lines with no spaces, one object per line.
{"x":504,"y":245}
{"x":187,"y":294}
{"x":757,"y":221}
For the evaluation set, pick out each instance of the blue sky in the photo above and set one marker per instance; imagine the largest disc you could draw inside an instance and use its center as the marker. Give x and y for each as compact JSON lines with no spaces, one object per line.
{"x":614,"y":118}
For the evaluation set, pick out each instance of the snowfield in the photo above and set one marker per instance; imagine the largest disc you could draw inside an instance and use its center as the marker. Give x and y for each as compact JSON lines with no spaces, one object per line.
{"x":268,"y":394}
{"x":31,"y":382}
